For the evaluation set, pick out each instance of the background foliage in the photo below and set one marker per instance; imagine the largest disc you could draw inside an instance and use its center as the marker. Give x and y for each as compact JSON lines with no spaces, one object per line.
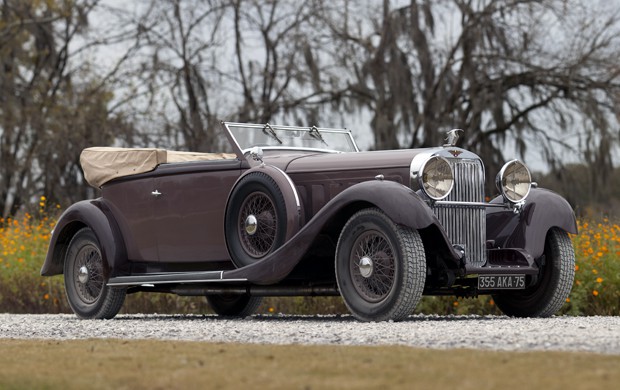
{"x":23,"y":245}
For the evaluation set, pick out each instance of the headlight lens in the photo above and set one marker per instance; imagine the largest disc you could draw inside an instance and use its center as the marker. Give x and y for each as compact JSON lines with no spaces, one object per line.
{"x":437,"y":178}
{"x":514,"y":181}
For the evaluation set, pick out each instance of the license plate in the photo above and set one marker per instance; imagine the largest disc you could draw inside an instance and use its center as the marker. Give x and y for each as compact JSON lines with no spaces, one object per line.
{"x":501,"y":282}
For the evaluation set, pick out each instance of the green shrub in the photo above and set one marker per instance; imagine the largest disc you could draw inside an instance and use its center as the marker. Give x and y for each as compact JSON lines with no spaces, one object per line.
{"x":24,"y":241}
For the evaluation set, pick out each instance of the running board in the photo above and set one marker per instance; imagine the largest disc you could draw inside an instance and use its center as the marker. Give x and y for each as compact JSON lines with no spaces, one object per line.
{"x":171,"y":278}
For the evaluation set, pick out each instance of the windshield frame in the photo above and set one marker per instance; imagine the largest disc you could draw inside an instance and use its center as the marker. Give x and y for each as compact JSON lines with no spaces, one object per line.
{"x":270,"y":131}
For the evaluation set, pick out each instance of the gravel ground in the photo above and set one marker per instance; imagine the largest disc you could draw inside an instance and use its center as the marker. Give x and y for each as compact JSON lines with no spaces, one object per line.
{"x":586,"y":334}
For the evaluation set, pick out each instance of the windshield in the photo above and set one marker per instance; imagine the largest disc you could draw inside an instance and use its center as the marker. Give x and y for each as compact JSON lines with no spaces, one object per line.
{"x":288,"y":137}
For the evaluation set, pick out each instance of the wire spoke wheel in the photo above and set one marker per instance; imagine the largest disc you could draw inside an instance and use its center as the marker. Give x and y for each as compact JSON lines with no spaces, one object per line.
{"x":258,"y":224}
{"x":372,"y":266}
{"x":89,"y":271}
{"x":380,"y":267}
{"x":85,"y":279}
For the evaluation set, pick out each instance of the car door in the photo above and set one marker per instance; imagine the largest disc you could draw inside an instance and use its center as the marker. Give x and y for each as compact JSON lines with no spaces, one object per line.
{"x":131,"y":203}
{"x":188,"y":215}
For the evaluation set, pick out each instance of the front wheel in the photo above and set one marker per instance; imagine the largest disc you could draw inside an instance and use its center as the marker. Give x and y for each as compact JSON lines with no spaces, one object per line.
{"x":380,"y":267}
{"x":555,"y":281}
{"x":85,"y":282}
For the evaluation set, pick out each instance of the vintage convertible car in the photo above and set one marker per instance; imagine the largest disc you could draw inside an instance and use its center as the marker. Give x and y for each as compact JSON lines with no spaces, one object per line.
{"x":301,"y":211}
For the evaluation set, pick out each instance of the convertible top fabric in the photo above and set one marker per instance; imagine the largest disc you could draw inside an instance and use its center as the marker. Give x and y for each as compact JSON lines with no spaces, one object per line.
{"x":102,"y":164}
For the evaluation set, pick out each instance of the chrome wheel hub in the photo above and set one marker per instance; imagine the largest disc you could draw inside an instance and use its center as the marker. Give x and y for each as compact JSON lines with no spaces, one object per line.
{"x":83,"y":274}
{"x":251,"y":225}
{"x":366,"y":266}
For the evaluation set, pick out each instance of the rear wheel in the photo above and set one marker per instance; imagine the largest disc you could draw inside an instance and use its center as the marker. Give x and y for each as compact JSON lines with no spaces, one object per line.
{"x":380,"y":267}
{"x":555,"y":281}
{"x":85,"y":281}
{"x":234,"y":305}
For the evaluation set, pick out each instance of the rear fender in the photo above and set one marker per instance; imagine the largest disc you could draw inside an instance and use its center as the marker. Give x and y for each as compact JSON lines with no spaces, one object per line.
{"x":95,"y":215}
{"x":528,"y":229}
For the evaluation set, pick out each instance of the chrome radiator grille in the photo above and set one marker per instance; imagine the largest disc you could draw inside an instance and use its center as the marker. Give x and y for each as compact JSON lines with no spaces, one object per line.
{"x":466,"y":225}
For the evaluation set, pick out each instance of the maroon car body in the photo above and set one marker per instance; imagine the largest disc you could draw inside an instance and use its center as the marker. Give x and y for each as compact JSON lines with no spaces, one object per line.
{"x":292,"y":214}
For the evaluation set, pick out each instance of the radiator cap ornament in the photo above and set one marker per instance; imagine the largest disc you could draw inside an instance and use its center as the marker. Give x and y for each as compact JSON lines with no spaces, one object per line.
{"x":453,"y":136}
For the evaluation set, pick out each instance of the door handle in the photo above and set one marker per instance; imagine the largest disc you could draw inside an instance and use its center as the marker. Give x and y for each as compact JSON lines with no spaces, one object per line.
{"x":156,"y":193}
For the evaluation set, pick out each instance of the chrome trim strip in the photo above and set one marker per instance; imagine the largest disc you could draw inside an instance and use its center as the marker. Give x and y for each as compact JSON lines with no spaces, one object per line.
{"x":469,"y":204}
{"x":171,"y":277}
{"x":295,"y":148}
{"x":290,"y":182}
{"x":233,"y":138}
{"x":129,"y":283}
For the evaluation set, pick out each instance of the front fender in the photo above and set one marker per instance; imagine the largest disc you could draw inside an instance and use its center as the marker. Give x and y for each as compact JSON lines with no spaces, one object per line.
{"x":400,"y":203}
{"x":95,"y":215}
{"x":544,"y":210}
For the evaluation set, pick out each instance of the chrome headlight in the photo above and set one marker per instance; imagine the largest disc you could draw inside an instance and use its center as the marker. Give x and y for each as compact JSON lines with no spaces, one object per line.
{"x":514,"y":181}
{"x":436,"y":178}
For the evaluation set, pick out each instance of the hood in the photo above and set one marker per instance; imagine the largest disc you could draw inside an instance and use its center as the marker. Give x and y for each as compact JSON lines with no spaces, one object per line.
{"x":326,"y":162}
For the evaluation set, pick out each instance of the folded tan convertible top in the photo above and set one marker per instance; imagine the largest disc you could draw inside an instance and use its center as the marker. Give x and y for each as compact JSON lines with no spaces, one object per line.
{"x":102,"y":164}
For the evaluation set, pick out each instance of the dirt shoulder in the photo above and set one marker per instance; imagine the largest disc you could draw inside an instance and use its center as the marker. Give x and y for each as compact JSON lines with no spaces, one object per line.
{"x":152,"y":364}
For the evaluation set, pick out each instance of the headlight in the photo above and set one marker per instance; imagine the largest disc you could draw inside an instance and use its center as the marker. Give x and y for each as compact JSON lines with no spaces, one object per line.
{"x":436,"y":178}
{"x":514,"y":181}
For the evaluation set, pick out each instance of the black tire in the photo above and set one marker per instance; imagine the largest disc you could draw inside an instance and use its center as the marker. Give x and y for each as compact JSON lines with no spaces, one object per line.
{"x":553,"y":287}
{"x":389,"y":285}
{"x":234,"y":305}
{"x":256,"y":195}
{"x":85,"y":281}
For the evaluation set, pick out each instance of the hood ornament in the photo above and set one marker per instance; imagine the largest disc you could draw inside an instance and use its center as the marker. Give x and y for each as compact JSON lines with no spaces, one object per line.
{"x":453,"y":136}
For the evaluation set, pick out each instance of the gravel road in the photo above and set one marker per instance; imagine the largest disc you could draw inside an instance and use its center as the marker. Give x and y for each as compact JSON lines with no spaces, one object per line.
{"x":586,"y":334}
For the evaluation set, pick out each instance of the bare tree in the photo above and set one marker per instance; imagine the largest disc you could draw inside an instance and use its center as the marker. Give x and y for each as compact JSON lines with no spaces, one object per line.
{"x":277,"y":60}
{"x":176,"y":56}
{"x":47,"y":114}
{"x":521,"y":76}
{"x":243,"y":60}
{"x":491,"y":67}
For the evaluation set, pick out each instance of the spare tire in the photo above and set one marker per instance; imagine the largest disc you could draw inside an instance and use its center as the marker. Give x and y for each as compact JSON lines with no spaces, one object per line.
{"x":256,"y":219}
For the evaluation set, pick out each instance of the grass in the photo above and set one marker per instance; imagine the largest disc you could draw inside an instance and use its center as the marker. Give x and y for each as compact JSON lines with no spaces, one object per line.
{"x":117,"y":364}
{"x":24,"y":241}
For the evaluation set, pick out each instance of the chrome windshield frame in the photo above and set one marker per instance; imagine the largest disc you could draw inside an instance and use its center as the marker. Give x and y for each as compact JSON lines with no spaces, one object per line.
{"x":242,"y":149}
